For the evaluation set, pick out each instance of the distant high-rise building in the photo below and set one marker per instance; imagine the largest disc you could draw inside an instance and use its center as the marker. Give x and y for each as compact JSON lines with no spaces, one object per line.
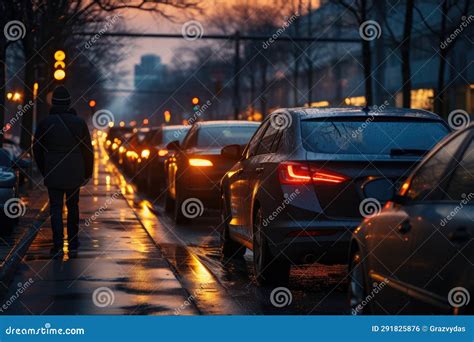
{"x":149,"y":73}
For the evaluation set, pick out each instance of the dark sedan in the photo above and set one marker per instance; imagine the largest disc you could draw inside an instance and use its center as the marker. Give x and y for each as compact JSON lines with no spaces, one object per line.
{"x":296,"y":193}
{"x":417,"y":255}
{"x":195,"y":170}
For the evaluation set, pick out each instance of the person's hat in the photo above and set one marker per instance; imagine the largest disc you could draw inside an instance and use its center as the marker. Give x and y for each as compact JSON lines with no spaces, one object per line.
{"x":61,"y":97}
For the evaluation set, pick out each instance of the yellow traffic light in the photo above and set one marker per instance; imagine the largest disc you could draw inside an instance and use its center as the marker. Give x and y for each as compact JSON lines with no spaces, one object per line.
{"x":59,"y":74}
{"x":195,"y":100}
{"x":60,"y":55}
{"x":167,"y":114}
{"x":59,"y":65}
{"x":92,"y":104}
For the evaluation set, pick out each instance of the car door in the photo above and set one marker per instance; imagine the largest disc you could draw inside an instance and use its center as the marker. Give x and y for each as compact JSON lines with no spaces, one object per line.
{"x":237,"y":185}
{"x":258,"y":170}
{"x":393,"y":243}
{"x":442,"y":258}
{"x":248,"y":166}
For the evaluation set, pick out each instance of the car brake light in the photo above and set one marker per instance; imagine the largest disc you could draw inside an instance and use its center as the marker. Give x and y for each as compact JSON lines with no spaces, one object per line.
{"x":302,"y":173}
{"x":294,"y":173}
{"x":162,"y":153}
{"x":199,"y":162}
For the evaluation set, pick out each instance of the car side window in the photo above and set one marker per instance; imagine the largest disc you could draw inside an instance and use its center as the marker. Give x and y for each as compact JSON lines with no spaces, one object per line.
{"x":426,"y":183}
{"x":461,"y":184}
{"x":190,"y":137}
{"x":277,"y":141}
{"x":267,"y":140}
{"x":254,"y":142}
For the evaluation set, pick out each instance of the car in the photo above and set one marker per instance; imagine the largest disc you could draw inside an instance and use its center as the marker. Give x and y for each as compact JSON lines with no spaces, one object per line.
{"x":132,"y":152}
{"x":418,"y":252}
{"x":10,"y":204}
{"x":154,"y":154}
{"x":21,"y":158}
{"x":195,"y":170}
{"x":293,"y":196}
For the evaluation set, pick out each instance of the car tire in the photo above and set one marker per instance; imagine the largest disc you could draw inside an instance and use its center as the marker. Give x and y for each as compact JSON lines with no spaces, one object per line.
{"x":179,"y":218}
{"x":357,"y":291}
{"x":269,"y":271}
{"x":230,"y":249}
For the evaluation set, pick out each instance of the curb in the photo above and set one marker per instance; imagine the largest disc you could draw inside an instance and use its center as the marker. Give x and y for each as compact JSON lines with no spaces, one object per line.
{"x":8,"y":266}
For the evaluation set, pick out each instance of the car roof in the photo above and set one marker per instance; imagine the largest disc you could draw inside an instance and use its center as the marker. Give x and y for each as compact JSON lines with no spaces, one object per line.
{"x":326,"y":112}
{"x":218,"y":123}
{"x":175,"y":127}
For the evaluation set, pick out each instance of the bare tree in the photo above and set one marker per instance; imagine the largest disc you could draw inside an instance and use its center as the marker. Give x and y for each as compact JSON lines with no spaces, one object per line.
{"x":405,"y":50}
{"x":453,"y":13}
{"x":360,"y":11}
{"x":50,"y":24}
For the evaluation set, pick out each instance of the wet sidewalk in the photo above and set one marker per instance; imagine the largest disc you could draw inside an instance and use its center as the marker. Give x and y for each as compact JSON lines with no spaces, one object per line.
{"x":118,"y":270}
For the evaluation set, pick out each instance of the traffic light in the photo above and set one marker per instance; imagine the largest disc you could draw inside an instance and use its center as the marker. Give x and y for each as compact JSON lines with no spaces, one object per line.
{"x":195,"y":100}
{"x":167,"y":115}
{"x":92,"y":103}
{"x":59,"y":65}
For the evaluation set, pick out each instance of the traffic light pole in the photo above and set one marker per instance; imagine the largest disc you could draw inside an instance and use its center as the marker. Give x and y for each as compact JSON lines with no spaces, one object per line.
{"x":237,"y":38}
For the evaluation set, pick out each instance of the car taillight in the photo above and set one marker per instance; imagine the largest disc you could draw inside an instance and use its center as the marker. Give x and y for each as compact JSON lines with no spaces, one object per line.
{"x":199,"y":162}
{"x":302,"y":173}
{"x":162,"y":153}
{"x":145,"y":153}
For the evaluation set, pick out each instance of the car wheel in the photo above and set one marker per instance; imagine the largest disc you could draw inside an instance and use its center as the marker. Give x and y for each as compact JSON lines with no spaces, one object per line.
{"x":179,"y":218}
{"x":268,"y":270}
{"x":230,"y":249}
{"x":357,"y":285}
{"x":169,"y":203}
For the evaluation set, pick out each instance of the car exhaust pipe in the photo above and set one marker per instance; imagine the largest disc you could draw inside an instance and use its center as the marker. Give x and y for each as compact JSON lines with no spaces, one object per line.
{"x":309,"y":259}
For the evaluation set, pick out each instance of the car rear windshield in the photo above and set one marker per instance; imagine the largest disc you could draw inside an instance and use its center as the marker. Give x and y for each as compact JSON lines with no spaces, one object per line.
{"x":371,"y":135}
{"x":165,"y":136}
{"x":220,"y":136}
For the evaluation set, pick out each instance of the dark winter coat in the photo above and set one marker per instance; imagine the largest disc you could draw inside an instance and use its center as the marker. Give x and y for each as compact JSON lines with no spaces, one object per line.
{"x":62,"y":149}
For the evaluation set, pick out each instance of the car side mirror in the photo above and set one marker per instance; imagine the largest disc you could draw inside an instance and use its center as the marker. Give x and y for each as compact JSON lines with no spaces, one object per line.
{"x":174,"y":145}
{"x":233,"y":152}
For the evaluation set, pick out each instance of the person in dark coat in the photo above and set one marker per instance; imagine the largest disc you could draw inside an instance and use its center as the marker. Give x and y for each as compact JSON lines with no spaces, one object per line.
{"x":63,"y":152}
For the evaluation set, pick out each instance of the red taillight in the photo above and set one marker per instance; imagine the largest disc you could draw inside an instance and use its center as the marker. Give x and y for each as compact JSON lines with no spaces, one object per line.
{"x":302,"y":173}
